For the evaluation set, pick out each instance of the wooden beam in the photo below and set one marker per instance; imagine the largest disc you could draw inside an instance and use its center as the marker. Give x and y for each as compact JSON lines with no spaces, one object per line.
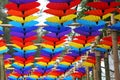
{"x":115,"y":51}
{"x":9,"y":25}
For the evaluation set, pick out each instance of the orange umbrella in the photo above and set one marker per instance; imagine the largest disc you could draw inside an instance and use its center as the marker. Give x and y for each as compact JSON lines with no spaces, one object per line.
{"x":2,"y":44}
{"x":28,"y":44}
{"x":60,"y":42}
{"x":94,"y":12}
{"x":79,"y":41}
{"x":17,"y":43}
{"x":109,"y":43}
{"x":30,"y":12}
{"x":15,"y":13}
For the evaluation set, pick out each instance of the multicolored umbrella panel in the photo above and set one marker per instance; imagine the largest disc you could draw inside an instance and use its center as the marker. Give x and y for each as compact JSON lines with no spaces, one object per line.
{"x":22,"y":35}
{"x":54,"y":40}
{"x":102,"y":10}
{"x":89,"y":62}
{"x":3,"y":47}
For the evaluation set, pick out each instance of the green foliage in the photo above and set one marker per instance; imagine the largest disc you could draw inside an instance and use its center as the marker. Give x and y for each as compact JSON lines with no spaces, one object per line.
{"x":82,"y":8}
{"x":2,"y":11}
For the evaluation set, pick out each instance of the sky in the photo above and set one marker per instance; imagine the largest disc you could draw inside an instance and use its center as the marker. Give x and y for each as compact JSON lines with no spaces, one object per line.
{"x":42,"y":15}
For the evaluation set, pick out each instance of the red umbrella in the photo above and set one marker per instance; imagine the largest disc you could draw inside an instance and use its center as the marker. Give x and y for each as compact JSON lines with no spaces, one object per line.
{"x":77,"y":74}
{"x":50,"y":38}
{"x":98,"y":5}
{"x":78,"y":58}
{"x":28,"y":6}
{"x":60,"y":12}
{"x":74,"y":3}
{"x":55,"y":73}
{"x":12,"y":6}
{"x":107,"y":38}
{"x":44,"y":59}
{"x":37,"y":73}
{"x":91,"y":61}
{"x":63,"y":37}
{"x":68,"y":57}
{"x":80,"y":37}
{"x":109,"y":10}
{"x":32,"y":38}
{"x":18,"y":58}
{"x":58,"y":6}
{"x":118,"y":10}
{"x":114,"y":4}
{"x":16,"y":38}
{"x":16,"y":74}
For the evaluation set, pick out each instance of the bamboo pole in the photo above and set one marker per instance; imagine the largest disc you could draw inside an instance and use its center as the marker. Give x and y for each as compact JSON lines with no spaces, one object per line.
{"x":98,"y":65}
{"x":87,"y":71}
{"x":2,"y":69}
{"x":106,"y":62}
{"x":94,"y":73}
{"x":115,"y":51}
{"x":97,"y":68}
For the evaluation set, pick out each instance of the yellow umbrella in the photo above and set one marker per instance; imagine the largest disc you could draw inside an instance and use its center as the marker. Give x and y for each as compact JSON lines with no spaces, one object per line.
{"x":34,"y":76}
{"x":117,"y":16}
{"x":87,"y":64}
{"x":42,"y":63}
{"x":53,"y":19}
{"x":91,"y":18}
{"x":47,"y":46}
{"x":30,"y":18}
{"x":88,"y":44}
{"x":0,"y":22}
{"x":3,"y":48}
{"x":106,"y":16}
{"x":57,"y":46}
{"x":16,"y":18}
{"x":51,"y":63}
{"x":31,"y":47}
{"x":65,"y":63}
{"x":16,"y":46}
{"x":52,"y":76}
{"x":68,"y":17}
{"x":76,"y":45}
{"x":7,"y":65}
